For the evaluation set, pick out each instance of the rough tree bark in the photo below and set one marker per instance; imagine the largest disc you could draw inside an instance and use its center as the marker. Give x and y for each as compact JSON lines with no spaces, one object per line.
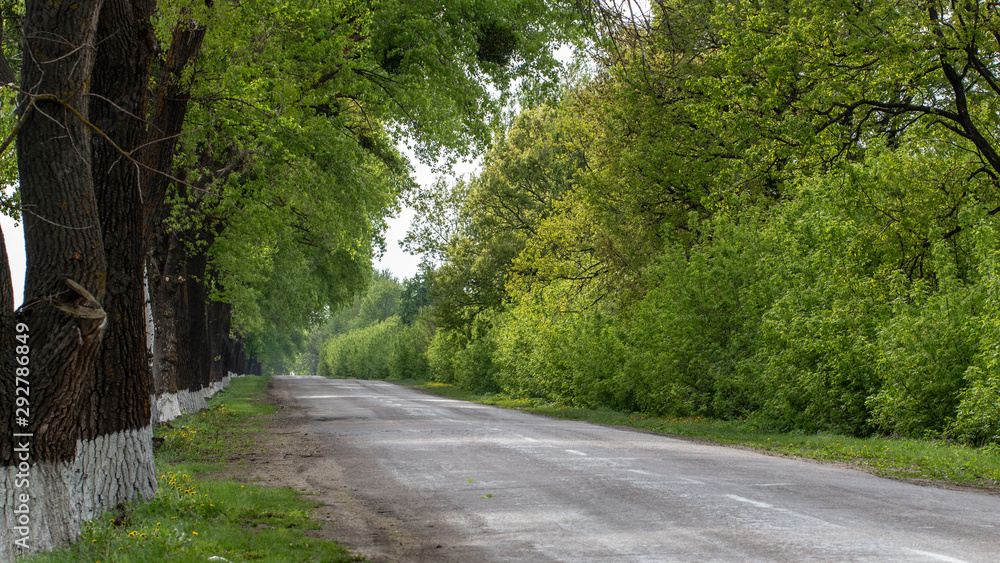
{"x":122,"y":384}
{"x":219,"y":326}
{"x":194,"y":367}
{"x":169,"y":108}
{"x":193,"y":349}
{"x":65,"y":280}
{"x":7,"y":344}
{"x":165,"y":267}
{"x":183,"y":331}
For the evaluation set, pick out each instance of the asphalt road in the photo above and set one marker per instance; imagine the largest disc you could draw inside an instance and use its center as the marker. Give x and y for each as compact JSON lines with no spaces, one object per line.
{"x":501,"y":485}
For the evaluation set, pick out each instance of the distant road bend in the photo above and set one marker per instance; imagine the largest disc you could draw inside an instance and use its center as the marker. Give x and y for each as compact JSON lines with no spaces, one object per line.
{"x":488,"y":484}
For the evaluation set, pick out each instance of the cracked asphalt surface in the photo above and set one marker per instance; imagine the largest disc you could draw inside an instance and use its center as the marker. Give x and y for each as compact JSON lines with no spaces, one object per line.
{"x":406,"y":476}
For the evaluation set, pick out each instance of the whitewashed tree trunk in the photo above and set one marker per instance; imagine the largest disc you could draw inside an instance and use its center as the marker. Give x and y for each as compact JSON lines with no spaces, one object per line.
{"x":61,"y":495}
{"x":83,"y":443}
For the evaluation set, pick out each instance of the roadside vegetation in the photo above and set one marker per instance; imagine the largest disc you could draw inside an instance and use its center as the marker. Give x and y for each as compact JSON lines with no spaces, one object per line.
{"x":389,"y":334}
{"x":783,"y":218}
{"x":201,"y":513}
{"x":926,"y":461}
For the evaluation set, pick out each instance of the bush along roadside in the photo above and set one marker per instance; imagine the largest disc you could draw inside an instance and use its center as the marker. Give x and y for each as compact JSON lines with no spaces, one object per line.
{"x":199,"y":516}
{"x":937,"y":462}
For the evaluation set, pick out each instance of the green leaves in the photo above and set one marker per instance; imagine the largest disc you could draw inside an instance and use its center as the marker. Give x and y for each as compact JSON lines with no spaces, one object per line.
{"x":371,"y":341}
{"x":289,"y":149}
{"x":779,"y":211}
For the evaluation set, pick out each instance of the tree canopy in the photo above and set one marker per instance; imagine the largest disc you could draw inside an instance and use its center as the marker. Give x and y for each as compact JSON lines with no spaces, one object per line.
{"x":233,"y":163}
{"x":777,"y":212}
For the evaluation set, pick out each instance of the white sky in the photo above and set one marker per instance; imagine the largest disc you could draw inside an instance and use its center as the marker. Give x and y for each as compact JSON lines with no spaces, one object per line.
{"x":14,"y":237}
{"x":401,"y":263}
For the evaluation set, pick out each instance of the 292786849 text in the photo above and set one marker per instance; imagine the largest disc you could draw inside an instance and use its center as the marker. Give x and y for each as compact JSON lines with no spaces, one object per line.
{"x":22,"y":439}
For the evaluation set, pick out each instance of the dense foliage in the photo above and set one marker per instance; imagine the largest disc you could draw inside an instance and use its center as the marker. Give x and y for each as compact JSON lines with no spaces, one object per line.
{"x":289,"y":146}
{"x":778,"y":212}
{"x":381,"y":335}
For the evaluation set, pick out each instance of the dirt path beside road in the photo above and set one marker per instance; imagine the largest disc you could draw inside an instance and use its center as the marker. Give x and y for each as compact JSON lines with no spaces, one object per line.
{"x":293,"y":456}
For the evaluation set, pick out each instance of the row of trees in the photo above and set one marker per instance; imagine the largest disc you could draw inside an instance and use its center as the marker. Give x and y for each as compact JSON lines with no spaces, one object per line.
{"x":781,"y":212}
{"x":234,"y":159}
{"x":381,"y":335}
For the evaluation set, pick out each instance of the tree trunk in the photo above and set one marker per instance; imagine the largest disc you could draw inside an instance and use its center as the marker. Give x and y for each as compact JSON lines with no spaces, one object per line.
{"x":64,"y":286}
{"x":238,"y":361}
{"x":166,"y":256}
{"x":219,"y":325}
{"x":194,"y":350}
{"x":182,"y":355}
{"x":166,"y":283}
{"x":169,"y":108}
{"x":7,"y":350}
{"x":122,"y":381}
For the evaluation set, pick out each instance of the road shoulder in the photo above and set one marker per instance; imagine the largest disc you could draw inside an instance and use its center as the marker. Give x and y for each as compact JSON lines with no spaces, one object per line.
{"x":292,"y":454}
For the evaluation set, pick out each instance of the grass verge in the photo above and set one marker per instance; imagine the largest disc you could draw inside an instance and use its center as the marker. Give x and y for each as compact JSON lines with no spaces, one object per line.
{"x":198,"y":516}
{"x":933,"y":461}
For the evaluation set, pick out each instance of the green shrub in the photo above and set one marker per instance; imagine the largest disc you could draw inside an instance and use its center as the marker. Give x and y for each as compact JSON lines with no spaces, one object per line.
{"x":365,"y":353}
{"x":698,"y":319}
{"x":474,"y":366}
{"x":551,"y":345}
{"x":441,"y":355}
{"x":531,"y":352}
{"x":465,"y":358}
{"x":409,"y":357}
{"x":815,"y":362}
{"x":926,"y":347}
{"x":978,"y":414}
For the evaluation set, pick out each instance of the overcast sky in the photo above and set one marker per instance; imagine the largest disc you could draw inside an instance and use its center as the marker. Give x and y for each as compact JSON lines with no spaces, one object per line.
{"x":401,"y":263}
{"x":14,"y":238}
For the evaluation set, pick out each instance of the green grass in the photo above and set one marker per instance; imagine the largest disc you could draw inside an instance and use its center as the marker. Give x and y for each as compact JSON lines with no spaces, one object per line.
{"x":196,"y":514}
{"x":226,"y":432}
{"x":919,"y":460}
